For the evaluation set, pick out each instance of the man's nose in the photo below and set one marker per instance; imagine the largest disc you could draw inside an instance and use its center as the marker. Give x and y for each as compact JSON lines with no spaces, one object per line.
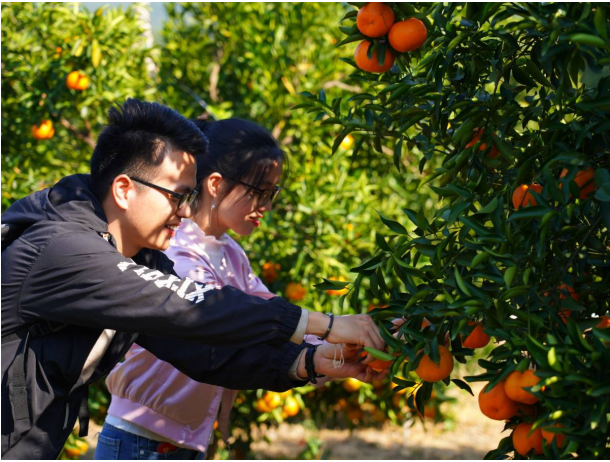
{"x":185,"y":212}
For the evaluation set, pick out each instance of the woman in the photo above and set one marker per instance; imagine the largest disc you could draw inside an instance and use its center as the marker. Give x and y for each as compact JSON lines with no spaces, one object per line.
{"x":156,"y":411}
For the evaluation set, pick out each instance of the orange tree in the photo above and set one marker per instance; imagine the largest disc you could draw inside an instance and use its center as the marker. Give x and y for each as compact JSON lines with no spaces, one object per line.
{"x":43,"y":45}
{"x":498,"y":96}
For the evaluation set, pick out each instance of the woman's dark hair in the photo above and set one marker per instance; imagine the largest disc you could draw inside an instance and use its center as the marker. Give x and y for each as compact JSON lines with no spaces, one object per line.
{"x":239,"y":150}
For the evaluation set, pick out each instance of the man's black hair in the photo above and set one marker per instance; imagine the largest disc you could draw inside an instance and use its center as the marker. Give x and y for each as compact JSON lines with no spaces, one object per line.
{"x":137,"y":138}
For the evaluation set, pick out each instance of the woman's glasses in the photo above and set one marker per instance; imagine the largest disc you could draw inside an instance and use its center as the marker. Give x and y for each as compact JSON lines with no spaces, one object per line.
{"x":264,"y":195}
{"x":183,"y":199}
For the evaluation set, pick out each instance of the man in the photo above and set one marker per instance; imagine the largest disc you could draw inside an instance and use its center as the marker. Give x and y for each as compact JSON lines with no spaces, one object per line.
{"x":83,"y":278}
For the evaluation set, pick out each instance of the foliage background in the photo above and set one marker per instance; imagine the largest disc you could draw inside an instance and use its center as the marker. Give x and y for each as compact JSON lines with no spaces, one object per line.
{"x":525,"y":72}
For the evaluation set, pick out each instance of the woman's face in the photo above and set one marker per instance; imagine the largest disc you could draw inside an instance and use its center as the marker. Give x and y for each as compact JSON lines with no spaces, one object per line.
{"x":241,"y":210}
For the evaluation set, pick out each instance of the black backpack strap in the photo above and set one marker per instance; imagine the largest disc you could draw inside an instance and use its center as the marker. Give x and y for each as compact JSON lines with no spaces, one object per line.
{"x":16,"y":371}
{"x":83,"y":414}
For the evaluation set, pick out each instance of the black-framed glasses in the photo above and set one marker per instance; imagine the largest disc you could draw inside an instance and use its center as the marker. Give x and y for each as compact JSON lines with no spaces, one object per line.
{"x":264,"y":195}
{"x":183,"y":199}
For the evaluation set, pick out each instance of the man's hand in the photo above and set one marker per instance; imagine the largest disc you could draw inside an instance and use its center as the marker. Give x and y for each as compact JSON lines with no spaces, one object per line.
{"x":356,"y":329}
{"x":323,"y":364}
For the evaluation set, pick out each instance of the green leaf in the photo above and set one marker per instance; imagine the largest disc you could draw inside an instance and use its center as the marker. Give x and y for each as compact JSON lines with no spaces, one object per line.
{"x":96,"y":53}
{"x":463,"y":385}
{"x":588,"y":39}
{"x":393,"y":225}
{"x":478,"y":259}
{"x":490,"y":207}
{"x":379,"y":354}
{"x":536,"y":211}
{"x":509,"y":274}
{"x":460,"y":282}
{"x":600,"y":21}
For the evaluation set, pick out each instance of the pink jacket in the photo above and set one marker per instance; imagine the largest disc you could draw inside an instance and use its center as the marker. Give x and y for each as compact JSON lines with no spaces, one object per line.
{"x":152,"y":393}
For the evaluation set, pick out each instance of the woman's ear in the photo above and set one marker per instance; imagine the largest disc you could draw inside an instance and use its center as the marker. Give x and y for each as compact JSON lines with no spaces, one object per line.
{"x":212,"y":184}
{"x":121,"y":190}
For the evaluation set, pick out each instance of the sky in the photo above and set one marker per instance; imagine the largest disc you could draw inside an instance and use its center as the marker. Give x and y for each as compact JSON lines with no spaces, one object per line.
{"x":157,"y":15}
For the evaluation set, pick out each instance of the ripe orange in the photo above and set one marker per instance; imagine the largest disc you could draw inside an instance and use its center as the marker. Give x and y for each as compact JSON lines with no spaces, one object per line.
{"x":515,"y":384}
{"x":550,"y":436}
{"x":604,"y":322}
{"x":77,"y":80}
{"x":477,"y":338}
{"x":44,"y":131}
{"x":408,"y":35}
{"x":347,"y":142}
{"x":585,"y":181}
{"x":524,"y":443}
{"x":523,"y":198}
{"x":375,"y":19}
{"x":295,"y":291}
{"x":425,"y":323}
{"x":495,"y":404}
{"x":272,"y":399}
{"x":215,"y":424}
{"x":478,"y":133}
{"x":339,"y":291}
{"x":291,"y":406}
{"x":372,"y":65}
{"x":261,"y":406}
{"x":352,"y":385}
{"x":269,"y":271}
{"x":431,"y":372}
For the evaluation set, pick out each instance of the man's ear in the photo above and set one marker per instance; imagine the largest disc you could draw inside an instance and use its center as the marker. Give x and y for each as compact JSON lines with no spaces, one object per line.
{"x":122,"y":190}
{"x":212,"y":184}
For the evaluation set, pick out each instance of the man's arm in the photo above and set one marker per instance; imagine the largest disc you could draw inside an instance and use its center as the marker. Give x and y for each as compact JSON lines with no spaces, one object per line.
{"x":259,"y":366}
{"x":81,"y":279}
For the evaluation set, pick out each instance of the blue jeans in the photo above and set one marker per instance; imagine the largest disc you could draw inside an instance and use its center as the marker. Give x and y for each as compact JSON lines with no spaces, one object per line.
{"x":116,"y":444}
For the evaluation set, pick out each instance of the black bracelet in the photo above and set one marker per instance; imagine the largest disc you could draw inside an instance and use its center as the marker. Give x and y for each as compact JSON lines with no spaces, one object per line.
{"x":309,"y":366}
{"x":330,"y":325}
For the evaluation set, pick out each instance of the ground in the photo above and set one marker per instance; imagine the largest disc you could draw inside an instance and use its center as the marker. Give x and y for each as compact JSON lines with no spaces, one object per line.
{"x":470,"y":438}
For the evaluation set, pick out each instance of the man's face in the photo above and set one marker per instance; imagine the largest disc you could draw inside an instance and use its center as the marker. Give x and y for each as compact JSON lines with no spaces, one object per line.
{"x":153,"y":214}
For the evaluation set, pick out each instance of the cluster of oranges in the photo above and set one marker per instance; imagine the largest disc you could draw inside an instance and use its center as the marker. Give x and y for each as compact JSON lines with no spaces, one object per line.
{"x":76,"y":80}
{"x":272,"y":400}
{"x":295,"y":291}
{"x":511,"y":398}
{"x":376,"y":20}
{"x":584,"y":179}
{"x":269,"y":271}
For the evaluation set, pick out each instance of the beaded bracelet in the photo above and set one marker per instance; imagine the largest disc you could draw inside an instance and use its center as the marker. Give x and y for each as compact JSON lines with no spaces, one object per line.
{"x":330,"y":325}
{"x":309,"y":366}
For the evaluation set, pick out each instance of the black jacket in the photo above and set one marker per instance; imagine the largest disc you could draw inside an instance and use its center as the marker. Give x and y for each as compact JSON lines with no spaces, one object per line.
{"x":60,"y":266}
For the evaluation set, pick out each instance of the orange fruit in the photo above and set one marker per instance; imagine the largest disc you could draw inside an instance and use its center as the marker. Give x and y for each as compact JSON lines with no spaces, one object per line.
{"x":44,"y":131}
{"x":431,"y":372}
{"x":379,"y":365}
{"x":351,"y":385}
{"x":347,"y":142}
{"x":295,"y":291}
{"x":261,"y":406}
{"x":478,"y":133}
{"x":523,"y":198}
{"x":585,"y":181}
{"x":604,"y":322}
{"x":375,"y":19}
{"x":77,"y":80}
{"x":337,"y":292}
{"x":495,"y":404}
{"x":272,"y":399}
{"x":371,"y":64}
{"x":215,"y":424}
{"x":408,"y":35}
{"x":269,"y":271}
{"x":291,"y":406}
{"x":550,"y":436}
{"x":515,"y":385}
{"x":523,"y":442}
{"x":425,"y":323}
{"x":477,"y":338}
